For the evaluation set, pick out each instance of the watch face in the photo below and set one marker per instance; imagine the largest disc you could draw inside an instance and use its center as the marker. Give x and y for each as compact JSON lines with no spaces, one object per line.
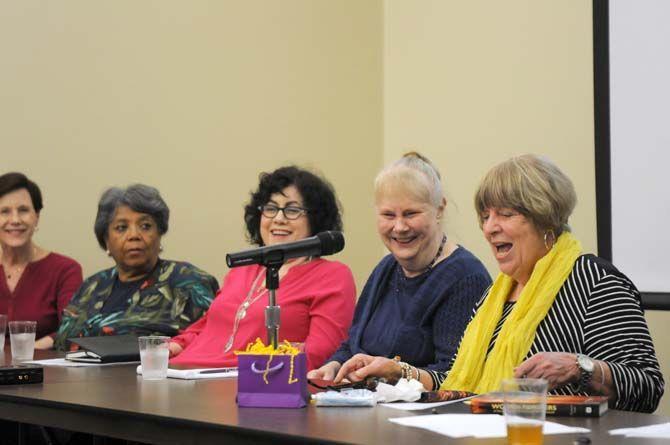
{"x":585,"y":363}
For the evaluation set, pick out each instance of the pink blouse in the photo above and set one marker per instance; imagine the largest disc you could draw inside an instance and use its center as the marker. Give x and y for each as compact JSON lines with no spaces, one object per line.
{"x":317,"y":302}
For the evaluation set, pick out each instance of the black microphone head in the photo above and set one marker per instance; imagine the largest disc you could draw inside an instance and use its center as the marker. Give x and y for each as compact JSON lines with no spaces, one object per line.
{"x":331,"y":242}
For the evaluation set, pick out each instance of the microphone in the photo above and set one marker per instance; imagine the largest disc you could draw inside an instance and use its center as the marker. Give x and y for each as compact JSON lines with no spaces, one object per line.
{"x":324,"y":243}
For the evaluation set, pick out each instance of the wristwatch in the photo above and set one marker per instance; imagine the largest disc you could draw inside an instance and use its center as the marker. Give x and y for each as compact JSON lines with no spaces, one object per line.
{"x":586,"y":366}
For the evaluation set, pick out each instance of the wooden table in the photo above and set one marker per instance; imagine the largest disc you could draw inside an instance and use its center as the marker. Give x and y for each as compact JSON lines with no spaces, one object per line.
{"x":115,"y":402}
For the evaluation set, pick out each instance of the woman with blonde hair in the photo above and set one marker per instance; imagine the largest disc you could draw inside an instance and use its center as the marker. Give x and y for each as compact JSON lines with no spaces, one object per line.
{"x":418,"y":299}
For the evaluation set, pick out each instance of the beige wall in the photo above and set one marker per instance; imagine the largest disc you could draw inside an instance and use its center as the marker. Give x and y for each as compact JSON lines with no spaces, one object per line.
{"x":197,"y":97}
{"x":472,"y":83}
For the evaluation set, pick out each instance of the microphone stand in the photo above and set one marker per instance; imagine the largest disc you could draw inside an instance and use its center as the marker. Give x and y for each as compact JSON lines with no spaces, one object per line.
{"x":272,"y":310}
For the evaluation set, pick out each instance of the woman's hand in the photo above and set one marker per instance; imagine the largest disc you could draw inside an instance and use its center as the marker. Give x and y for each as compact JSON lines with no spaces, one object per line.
{"x":45,"y":342}
{"x":175,"y":349}
{"x":361,"y":366}
{"x":326,"y":372}
{"x":557,"y":368}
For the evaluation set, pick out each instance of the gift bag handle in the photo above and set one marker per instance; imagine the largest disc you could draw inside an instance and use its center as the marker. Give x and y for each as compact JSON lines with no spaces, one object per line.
{"x":276,"y":367}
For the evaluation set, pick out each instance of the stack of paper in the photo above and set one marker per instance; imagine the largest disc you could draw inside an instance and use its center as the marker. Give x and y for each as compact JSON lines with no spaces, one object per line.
{"x":658,"y":431}
{"x":198,"y":374}
{"x":475,"y":425}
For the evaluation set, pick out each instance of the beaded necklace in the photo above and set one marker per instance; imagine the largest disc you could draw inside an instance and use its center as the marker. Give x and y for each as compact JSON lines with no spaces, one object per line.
{"x":438,"y":254}
{"x":402,"y":278}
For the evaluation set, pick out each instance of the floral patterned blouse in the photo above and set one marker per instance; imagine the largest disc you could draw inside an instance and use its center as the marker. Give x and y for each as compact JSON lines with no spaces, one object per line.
{"x":173,"y":296}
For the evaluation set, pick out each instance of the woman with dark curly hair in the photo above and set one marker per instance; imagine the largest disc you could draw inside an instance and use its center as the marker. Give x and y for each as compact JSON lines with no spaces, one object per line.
{"x":316,"y":296}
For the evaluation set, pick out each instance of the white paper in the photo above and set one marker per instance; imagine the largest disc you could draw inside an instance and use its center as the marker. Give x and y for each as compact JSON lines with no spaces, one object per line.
{"x":421,"y":406}
{"x":197,"y":374}
{"x":477,"y":425}
{"x":61,"y":362}
{"x":417,"y":406}
{"x":658,"y":431}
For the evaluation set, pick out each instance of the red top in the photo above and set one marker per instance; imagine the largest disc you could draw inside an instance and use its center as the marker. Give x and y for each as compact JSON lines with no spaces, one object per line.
{"x":43,"y":291}
{"x":317,"y":304}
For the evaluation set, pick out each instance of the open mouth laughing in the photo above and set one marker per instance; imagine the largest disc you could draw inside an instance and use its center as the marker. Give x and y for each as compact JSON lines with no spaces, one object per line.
{"x":501,"y":249}
{"x":404,"y":240}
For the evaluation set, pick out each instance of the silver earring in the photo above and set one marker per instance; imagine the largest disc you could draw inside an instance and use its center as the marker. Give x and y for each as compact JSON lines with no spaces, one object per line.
{"x":108,"y":252}
{"x":160,"y":248}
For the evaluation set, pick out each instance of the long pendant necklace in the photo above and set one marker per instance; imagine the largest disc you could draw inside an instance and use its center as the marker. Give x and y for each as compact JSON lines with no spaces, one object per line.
{"x":254,"y":294}
{"x":250,"y":299}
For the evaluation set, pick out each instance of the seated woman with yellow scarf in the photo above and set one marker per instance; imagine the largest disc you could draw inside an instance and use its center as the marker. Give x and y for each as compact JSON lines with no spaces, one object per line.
{"x":552,"y":312}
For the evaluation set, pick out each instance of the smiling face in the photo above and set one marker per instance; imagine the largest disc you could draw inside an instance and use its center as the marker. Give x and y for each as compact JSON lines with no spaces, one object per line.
{"x":410,"y":230}
{"x":515,"y":241}
{"x":280,"y":229}
{"x":133,"y":241}
{"x":18,"y":219}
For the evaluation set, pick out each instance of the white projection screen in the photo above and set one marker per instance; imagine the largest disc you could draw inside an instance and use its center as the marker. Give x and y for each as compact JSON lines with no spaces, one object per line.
{"x":639,"y":130}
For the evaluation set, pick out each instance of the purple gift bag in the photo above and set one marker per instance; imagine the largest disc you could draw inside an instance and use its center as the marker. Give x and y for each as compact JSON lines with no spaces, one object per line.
{"x":282,"y":384}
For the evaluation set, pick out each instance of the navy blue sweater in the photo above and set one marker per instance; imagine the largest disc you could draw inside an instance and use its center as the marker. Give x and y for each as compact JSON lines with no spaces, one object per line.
{"x":427,"y":331}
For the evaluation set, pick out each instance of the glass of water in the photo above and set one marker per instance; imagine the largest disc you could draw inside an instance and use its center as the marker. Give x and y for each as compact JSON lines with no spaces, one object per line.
{"x":3,"y":329}
{"x":154,"y":354}
{"x":22,"y":338}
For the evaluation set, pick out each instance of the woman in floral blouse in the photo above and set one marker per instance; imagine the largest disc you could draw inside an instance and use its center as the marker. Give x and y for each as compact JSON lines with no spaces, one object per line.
{"x":142,"y":294}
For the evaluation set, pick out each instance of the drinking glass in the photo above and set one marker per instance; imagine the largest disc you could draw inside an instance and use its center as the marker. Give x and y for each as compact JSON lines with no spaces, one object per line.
{"x":525,"y":407}
{"x":154,"y":355}
{"x":3,"y":329}
{"x":22,"y":338}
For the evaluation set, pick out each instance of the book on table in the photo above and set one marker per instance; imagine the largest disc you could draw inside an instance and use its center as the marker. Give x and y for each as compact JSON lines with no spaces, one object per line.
{"x":105,"y":349}
{"x":572,"y":406}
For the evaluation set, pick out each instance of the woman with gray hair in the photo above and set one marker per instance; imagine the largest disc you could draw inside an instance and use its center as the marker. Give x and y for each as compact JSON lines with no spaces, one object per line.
{"x":419,"y":298}
{"x":553,"y":312}
{"x":142,"y":294}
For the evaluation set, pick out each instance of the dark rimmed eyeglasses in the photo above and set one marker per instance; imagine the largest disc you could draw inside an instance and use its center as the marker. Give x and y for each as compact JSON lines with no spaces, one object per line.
{"x":290,"y":212}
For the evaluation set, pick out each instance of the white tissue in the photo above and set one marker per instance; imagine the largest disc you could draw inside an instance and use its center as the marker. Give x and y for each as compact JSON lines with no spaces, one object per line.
{"x":405,"y":391}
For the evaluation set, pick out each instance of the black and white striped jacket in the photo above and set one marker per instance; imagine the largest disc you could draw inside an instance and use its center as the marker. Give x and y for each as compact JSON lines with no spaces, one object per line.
{"x":597,"y":312}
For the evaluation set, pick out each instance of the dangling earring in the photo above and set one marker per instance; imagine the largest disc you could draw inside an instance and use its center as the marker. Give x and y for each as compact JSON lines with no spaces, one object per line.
{"x":108,"y":252}
{"x":160,"y":248}
{"x":546,"y":236}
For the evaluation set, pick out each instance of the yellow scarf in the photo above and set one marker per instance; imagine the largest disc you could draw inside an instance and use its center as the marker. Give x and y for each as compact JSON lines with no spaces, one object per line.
{"x":472,"y":371}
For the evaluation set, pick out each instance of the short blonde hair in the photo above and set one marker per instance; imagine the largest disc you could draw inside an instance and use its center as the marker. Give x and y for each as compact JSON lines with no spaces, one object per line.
{"x":413,"y":174}
{"x":533,"y":186}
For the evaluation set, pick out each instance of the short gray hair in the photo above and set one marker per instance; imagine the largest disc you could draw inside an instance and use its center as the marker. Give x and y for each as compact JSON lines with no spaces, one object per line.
{"x":415,"y":174}
{"x":533,"y":186}
{"x":140,"y":198}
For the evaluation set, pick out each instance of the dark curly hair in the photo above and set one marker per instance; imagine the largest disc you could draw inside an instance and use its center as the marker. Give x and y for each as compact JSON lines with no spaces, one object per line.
{"x":10,"y":182}
{"x":323,"y":209}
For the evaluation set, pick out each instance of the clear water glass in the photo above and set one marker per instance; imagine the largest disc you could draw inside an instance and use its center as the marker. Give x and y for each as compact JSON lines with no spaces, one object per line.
{"x":154,"y":355}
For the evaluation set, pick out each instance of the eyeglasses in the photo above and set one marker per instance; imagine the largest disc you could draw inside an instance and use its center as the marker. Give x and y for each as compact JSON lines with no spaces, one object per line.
{"x":290,"y":212}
